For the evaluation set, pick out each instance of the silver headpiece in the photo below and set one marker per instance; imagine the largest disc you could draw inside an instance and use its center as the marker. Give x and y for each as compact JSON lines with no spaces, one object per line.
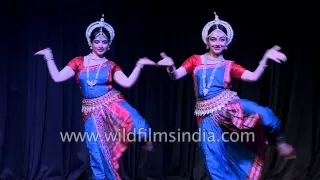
{"x":217,"y":22}
{"x":100,"y":24}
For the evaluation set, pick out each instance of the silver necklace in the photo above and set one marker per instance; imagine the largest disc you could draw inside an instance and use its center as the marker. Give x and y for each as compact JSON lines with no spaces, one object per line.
{"x":205,"y":88}
{"x":94,"y":82}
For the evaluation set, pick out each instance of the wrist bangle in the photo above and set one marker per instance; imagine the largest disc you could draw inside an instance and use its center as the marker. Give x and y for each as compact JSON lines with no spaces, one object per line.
{"x":139,"y":65}
{"x":49,"y":59}
{"x":173,"y":69}
{"x":263,"y":65}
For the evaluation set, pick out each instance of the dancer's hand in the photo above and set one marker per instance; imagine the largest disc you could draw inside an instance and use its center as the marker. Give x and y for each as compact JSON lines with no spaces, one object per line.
{"x":286,"y":150}
{"x":166,"y":61}
{"x":46,"y":53}
{"x":275,"y":55}
{"x":146,"y":61}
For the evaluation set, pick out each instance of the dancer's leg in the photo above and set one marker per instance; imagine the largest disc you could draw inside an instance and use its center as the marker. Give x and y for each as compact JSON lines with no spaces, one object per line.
{"x":225,"y":159}
{"x":269,"y":119}
{"x":272,"y":124}
{"x":101,"y":169}
{"x":141,"y":128}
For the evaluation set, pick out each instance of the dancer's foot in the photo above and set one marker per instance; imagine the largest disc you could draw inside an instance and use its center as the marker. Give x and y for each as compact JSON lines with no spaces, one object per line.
{"x":286,"y":150}
{"x":148,"y":146}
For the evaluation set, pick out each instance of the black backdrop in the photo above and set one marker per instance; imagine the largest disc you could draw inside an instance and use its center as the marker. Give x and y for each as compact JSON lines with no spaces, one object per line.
{"x":34,"y":109}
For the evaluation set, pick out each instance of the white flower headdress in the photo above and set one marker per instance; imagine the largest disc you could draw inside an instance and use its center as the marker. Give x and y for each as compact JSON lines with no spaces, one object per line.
{"x":217,"y":21}
{"x":100,"y":24}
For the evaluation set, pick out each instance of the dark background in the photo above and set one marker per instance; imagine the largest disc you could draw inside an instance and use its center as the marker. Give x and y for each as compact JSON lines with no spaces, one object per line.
{"x":34,"y":109}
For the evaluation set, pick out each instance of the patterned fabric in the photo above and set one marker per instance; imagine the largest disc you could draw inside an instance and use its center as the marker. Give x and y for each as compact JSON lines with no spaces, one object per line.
{"x":111,"y":120}
{"x":235,"y":113}
{"x":89,"y":105}
{"x":211,"y":105}
{"x":229,"y":120}
{"x":107,"y":115}
{"x":221,"y":112}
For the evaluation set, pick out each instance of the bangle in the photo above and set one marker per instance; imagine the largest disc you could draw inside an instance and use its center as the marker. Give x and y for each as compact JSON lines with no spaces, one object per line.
{"x":173,"y":69}
{"x":49,"y":59}
{"x":139,"y":65}
{"x":263,"y":65}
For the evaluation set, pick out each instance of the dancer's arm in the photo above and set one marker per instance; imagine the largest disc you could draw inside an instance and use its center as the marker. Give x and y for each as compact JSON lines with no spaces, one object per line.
{"x":272,"y":54}
{"x":127,"y":82}
{"x":174,"y":73}
{"x":57,"y":76}
{"x":254,"y":76}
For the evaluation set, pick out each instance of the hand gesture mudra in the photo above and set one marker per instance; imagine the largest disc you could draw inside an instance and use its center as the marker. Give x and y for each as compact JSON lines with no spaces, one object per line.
{"x":275,"y":54}
{"x":146,"y":61}
{"x":46,"y":53}
{"x":166,"y":61}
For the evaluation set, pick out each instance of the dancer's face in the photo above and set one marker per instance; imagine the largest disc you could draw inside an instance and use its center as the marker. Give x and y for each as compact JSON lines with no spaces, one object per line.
{"x":217,"y":42}
{"x":100,"y":45}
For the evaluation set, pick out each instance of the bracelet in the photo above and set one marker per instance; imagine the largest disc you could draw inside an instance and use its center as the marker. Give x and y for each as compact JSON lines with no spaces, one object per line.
{"x":168,"y":69}
{"x":263,"y":65}
{"x":139,"y":65}
{"x":49,"y":59}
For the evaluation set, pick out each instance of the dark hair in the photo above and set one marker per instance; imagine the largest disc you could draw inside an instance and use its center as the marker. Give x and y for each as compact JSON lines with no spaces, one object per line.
{"x":214,"y":27}
{"x":96,"y":31}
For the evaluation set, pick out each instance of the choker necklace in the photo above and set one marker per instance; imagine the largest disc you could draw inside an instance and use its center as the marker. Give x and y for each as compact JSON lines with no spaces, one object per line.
{"x":94,"y":82}
{"x":218,"y":59}
{"x":205,"y":88}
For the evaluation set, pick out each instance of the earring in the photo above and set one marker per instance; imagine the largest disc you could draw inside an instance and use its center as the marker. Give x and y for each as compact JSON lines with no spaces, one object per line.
{"x":226,"y":48}
{"x":90,"y":47}
{"x":207,"y":47}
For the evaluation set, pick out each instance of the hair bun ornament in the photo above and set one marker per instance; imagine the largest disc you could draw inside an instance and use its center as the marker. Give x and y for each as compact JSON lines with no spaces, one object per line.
{"x":100,"y":24}
{"x":217,"y":21}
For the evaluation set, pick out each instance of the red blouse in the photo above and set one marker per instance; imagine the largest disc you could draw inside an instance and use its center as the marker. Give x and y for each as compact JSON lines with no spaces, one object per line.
{"x":77,"y":63}
{"x":192,"y":62}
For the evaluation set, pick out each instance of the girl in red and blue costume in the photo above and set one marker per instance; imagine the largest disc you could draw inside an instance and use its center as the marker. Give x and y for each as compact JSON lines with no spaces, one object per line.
{"x":220,"y":113}
{"x":106,"y":114}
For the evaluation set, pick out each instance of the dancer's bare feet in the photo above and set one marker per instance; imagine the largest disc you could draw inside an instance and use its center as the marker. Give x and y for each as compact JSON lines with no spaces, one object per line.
{"x":286,"y":150}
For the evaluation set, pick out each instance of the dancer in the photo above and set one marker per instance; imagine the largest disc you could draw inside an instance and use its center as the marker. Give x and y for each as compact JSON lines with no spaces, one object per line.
{"x":104,"y":109}
{"x":219,"y":110}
